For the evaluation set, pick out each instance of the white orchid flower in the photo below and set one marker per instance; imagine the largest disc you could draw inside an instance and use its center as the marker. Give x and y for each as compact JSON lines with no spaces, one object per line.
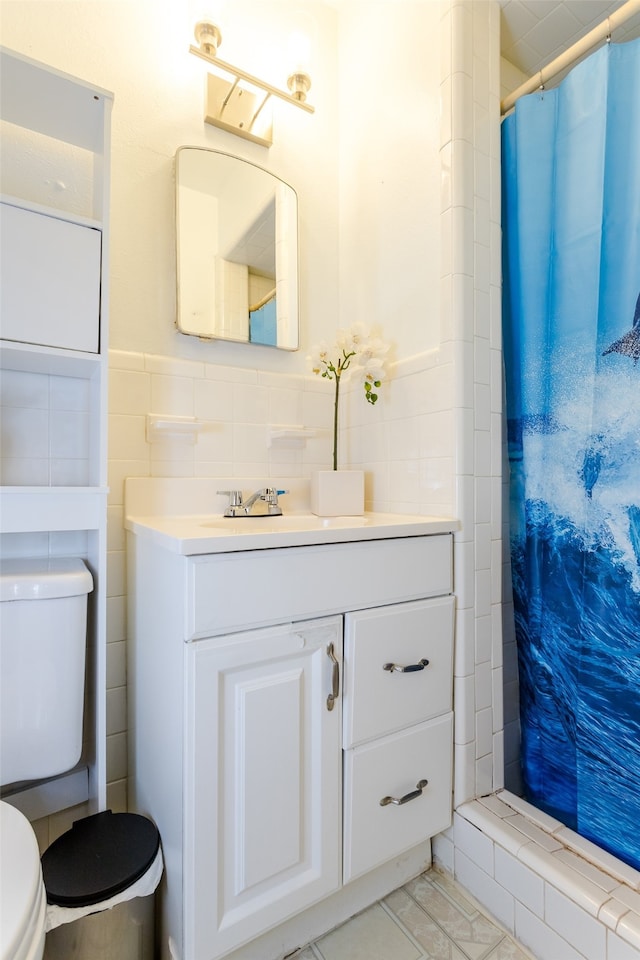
{"x":355,"y":352}
{"x":319,"y":358}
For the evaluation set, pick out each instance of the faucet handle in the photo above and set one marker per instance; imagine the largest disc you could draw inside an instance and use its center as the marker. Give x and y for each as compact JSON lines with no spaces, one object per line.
{"x":235,"y":507}
{"x":270,"y":496}
{"x":235,"y":497}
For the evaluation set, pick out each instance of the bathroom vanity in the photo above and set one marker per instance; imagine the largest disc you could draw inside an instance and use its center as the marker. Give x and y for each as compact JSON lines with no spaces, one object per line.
{"x":290,"y":712}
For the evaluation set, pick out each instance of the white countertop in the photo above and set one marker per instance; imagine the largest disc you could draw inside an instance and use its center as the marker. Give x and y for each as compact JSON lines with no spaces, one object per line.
{"x":193,"y":535}
{"x":155,"y":509}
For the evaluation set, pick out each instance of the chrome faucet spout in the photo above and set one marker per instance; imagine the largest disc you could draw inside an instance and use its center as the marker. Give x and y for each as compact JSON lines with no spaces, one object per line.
{"x":258,"y":495}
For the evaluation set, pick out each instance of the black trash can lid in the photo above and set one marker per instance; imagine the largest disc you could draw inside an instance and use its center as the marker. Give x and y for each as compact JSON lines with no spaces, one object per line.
{"x":98,"y":858}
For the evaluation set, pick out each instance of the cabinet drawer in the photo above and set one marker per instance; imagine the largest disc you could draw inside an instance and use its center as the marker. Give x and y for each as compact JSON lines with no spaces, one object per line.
{"x":50,"y":290}
{"x":238,"y":591}
{"x":393,"y":767}
{"x":378,"y":701}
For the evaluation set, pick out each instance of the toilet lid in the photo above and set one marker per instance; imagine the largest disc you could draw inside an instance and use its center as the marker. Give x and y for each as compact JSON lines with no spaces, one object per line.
{"x":22,"y":902}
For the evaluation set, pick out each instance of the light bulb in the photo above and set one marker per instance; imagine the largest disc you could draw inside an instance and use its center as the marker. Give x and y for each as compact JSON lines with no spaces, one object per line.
{"x":299,"y":52}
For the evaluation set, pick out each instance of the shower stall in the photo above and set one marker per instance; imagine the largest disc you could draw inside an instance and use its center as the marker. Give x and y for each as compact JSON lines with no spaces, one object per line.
{"x":571,"y":327}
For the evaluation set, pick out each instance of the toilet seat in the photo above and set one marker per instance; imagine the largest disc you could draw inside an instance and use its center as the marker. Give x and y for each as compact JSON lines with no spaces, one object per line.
{"x":23,"y":899}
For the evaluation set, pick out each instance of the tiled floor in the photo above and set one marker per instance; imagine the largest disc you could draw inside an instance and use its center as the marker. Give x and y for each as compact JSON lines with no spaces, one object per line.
{"x":431,"y":918}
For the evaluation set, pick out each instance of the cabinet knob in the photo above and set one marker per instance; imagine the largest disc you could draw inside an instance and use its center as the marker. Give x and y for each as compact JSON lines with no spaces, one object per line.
{"x":411,"y":668}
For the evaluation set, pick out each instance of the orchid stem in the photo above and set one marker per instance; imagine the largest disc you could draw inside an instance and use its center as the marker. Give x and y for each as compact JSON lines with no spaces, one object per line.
{"x":335,"y":425}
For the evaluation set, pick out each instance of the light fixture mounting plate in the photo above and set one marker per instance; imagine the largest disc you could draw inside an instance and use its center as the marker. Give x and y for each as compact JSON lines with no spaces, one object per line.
{"x":237,"y":110}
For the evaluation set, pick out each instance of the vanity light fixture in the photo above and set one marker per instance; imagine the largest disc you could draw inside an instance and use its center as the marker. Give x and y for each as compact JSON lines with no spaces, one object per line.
{"x":237,"y":101}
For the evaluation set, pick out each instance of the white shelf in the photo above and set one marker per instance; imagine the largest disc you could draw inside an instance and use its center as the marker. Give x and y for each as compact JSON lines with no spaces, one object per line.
{"x":48,"y":211}
{"x":51,"y":796}
{"x":35,"y":358}
{"x":291,"y":436}
{"x":53,"y":103}
{"x":161,"y":427}
{"x":35,"y":509}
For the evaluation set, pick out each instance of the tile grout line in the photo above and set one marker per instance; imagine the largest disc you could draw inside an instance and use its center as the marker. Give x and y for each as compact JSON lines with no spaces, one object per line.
{"x":478,"y":912}
{"x":398,"y":922}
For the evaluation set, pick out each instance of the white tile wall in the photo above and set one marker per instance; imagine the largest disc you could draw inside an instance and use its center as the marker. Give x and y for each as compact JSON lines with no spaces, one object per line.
{"x":44,"y":435}
{"x":523,"y":866}
{"x":471,"y":213}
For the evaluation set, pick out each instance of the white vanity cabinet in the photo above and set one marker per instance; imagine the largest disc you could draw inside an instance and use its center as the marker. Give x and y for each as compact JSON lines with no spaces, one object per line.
{"x":261,"y":751}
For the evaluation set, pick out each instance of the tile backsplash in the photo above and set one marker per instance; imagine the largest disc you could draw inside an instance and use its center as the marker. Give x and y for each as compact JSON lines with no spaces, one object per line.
{"x":44,"y":439}
{"x":405,"y":442}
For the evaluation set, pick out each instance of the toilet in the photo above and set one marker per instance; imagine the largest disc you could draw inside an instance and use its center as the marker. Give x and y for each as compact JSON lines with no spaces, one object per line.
{"x":43,"y":627}
{"x":23,"y":900}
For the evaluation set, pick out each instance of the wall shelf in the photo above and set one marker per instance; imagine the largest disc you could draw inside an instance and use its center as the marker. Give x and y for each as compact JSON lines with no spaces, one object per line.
{"x":52,"y":102}
{"x":161,"y":427}
{"x":47,"y":211}
{"x":290,"y":436}
{"x":33,"y":509}
{"x":34,"y":358}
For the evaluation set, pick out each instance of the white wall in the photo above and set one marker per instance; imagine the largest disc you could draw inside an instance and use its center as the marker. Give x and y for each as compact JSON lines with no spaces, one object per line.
{"x":139,"y":50}
{"x":390,"y":176}
{"x":366,"y":167}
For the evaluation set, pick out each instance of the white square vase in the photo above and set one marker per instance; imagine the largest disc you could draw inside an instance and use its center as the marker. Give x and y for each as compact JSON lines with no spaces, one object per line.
{"x":337,"y":493}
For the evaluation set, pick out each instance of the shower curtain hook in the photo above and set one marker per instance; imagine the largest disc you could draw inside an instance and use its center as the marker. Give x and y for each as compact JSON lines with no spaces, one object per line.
{"x":608,"y":37}
{"x":541,"y":86}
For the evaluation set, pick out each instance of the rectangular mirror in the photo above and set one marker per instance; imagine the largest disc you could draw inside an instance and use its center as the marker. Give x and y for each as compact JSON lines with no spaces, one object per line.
{"x":237,"y":251}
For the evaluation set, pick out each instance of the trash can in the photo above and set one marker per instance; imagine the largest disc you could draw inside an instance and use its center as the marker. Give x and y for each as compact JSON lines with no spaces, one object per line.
{"x":100,"y":879}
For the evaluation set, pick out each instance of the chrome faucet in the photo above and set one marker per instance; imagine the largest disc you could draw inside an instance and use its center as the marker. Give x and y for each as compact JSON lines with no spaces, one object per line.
{"x":238,"y":507}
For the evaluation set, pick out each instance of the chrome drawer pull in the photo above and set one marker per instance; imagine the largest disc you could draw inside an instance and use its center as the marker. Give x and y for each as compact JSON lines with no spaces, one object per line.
{"x":412,"y":668}
{"x":335,"y":679}
{"x":420,"y":785}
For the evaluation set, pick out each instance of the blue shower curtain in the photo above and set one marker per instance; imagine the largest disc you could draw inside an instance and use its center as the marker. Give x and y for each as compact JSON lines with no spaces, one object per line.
{"x":571,"y":307}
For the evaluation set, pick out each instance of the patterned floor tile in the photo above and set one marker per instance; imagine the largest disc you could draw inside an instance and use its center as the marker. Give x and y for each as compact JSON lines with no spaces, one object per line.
{"x":462,"y":922}
{"x":434,"y":941}
{"x":430,"y":918}
{"x":371,"y":935}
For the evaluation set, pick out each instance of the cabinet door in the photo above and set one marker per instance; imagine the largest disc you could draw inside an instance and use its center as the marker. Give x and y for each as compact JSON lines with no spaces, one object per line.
{"x":262,"y":831}
{"x":398,"y":667}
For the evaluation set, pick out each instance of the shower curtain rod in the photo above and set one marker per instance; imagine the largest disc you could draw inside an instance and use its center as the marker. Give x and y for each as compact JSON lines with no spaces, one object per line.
{"x":570,"y":56}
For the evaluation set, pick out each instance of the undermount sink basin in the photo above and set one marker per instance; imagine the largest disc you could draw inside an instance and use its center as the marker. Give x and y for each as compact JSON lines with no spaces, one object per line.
{"x":253,"y":525}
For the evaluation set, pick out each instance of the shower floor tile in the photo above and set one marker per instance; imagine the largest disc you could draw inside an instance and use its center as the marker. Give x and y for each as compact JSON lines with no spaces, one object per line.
{"x":430,"y":918}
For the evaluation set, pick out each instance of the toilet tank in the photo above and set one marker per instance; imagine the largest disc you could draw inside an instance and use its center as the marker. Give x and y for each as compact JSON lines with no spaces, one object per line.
{"x":43,"y":630}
